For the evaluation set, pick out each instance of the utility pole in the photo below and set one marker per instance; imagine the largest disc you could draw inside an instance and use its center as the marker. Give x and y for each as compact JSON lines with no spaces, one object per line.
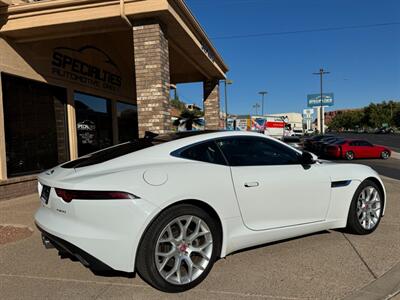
{"x":321,"y":74}
{"x":263,"y":93}
{"x":256,"y":106}
{"x":227,"y":82}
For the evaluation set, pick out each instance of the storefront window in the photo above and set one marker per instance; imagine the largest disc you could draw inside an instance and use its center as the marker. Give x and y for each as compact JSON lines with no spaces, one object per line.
{"x":35,"y":125}
{"x":127,"y":122}
{"x":94,"y":123}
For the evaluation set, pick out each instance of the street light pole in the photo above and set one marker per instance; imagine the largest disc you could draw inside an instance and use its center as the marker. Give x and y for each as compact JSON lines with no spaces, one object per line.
{"x":256,"y":106}
{"x":263,"y":93}
{"x":227,"y":81}
{"x":321,"y":74}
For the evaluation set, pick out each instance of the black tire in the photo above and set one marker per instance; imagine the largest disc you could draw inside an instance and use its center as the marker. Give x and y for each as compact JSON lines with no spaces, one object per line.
{"x":353,"y":223}
{"x":349,"y":155}
{"x":385,"y":154}
{"x":146,"y":261}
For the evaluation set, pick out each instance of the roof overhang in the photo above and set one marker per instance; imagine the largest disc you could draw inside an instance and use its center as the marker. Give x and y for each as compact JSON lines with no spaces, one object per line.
{"x":192,"y":55}
{"x":5,"y":2}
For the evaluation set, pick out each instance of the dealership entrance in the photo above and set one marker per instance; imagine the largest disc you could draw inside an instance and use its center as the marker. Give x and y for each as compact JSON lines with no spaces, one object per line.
{"x":77,"y":77}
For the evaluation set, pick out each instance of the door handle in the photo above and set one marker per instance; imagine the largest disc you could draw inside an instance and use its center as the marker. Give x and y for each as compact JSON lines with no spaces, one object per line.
{"x":251,"y":184}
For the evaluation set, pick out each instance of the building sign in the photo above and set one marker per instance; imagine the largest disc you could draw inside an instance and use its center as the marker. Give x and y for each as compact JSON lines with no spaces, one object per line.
{"x":314,"y":100}
{"x":308,"y":111}
{"x":87,"y":65}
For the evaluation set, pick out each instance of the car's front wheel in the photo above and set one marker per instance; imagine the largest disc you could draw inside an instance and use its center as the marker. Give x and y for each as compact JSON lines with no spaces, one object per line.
{"x":366,"y":208}
{"x":179,"y":248}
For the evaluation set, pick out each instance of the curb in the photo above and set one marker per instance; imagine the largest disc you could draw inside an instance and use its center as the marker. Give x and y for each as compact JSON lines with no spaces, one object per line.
{"x":385,"y":287}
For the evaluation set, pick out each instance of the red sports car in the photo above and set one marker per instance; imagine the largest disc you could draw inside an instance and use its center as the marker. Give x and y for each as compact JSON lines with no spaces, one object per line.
{"x":351,"y":149}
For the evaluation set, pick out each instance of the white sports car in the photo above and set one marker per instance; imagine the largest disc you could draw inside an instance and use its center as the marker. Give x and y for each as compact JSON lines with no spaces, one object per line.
{"x":168,"y":206}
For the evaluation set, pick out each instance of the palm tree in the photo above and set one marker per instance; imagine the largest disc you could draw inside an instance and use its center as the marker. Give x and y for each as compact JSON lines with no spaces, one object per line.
{"x":188,"y":118}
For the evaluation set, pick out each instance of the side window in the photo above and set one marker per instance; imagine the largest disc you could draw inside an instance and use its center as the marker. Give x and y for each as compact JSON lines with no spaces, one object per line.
{"x":253,"y":151}
{"x":365,"y":144}
{"x":206,"y":152}
{"x":354,"y":143}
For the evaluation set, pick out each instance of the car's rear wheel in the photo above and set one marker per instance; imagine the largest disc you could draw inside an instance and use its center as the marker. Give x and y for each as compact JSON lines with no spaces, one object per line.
{"x":385,"y":154}
{"x":366,"y":208}
{"x":349,"y":155}
{"x":179,"y":248}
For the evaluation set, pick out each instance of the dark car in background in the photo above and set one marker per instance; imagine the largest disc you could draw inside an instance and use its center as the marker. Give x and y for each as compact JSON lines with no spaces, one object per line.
{"x":308,"y":143}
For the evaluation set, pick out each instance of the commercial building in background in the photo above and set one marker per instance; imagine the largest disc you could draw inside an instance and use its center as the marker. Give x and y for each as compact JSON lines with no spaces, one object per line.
{"x":80,"y":75}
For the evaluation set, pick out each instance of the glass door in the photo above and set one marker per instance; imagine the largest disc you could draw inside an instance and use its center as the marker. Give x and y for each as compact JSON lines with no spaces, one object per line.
{"x":93,"y":123}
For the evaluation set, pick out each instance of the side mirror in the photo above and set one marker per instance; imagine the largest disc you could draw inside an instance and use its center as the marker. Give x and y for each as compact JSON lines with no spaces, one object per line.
{"x":308,"y":158}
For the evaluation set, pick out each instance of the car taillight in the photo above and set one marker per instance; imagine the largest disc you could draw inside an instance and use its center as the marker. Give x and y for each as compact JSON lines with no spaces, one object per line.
{"x":69,"y":195}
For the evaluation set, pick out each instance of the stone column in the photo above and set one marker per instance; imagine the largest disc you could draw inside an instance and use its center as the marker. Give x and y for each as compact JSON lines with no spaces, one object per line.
{"x":152,"y":78}
{"x":211,"y":105}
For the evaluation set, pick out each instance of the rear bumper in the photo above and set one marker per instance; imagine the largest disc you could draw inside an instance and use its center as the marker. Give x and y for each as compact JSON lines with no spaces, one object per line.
{"x":108,"y":231}
{"x":85,"y":258}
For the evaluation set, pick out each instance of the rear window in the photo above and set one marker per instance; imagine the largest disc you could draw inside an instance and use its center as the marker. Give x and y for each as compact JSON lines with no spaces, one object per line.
{"x":108,"y":154}
{"x":149,"y":140}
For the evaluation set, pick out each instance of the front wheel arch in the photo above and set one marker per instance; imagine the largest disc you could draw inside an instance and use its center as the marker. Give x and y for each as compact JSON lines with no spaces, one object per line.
{"x":381,"y":189}
{"x":349,"y":228}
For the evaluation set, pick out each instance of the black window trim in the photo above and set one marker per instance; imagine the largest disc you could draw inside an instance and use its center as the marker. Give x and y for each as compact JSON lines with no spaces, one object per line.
{"x":177,"y":153}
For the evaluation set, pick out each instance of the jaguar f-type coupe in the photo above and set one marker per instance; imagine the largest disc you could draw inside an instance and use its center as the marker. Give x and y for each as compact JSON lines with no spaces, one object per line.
{"x":168,"y":206}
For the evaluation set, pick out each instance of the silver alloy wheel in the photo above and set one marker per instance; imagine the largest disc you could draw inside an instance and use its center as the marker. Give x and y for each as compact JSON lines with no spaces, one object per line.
{"x":183,"y":250}
{"x":369,"y":207}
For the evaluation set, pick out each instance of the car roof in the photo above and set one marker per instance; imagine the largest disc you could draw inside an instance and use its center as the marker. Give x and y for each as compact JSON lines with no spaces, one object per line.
{"x":188,"y":140}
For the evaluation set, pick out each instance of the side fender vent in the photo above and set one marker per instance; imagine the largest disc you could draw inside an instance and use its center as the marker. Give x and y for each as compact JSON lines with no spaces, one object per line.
{"x":337,"y":184}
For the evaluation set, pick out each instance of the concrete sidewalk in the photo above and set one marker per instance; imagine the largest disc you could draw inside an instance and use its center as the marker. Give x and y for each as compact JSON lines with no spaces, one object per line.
{"x":326,"y":265}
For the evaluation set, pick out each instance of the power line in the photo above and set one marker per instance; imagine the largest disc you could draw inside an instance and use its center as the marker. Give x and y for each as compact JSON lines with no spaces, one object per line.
{"x":253,"y":35}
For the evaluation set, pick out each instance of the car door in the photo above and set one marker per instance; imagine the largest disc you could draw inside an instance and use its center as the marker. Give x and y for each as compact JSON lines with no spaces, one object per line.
{"x":273,"y":189}
{"x":367,"y":149}
{"x":354,"y":146}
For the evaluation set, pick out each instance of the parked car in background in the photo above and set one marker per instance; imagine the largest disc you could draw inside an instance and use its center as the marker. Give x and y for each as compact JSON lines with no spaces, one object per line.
{"x":385,"y":130}
{"x":308,"y":143}
{"x":319,"y":147}
{"x":298,"y":131}
{"x":353,"y":149}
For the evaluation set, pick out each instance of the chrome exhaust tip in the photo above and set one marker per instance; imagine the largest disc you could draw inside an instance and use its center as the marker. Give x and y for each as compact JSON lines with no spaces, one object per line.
{"x":46,"y":242}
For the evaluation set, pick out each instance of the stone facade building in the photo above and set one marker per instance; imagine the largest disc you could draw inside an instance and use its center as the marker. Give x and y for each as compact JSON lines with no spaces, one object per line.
{"x":77,"y":76}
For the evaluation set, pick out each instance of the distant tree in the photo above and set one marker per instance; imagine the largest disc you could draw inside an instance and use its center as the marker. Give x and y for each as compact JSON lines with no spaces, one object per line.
{"x":177,"y":103}
{"x":396,"y":118}
{"x":347,"y":120}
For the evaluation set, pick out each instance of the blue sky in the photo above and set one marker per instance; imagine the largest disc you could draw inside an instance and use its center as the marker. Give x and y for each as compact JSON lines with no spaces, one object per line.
{"x":364,"y":62}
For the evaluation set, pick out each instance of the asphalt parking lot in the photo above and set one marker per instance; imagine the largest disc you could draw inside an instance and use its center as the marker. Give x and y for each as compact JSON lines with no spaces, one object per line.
{"x":326,"y":265}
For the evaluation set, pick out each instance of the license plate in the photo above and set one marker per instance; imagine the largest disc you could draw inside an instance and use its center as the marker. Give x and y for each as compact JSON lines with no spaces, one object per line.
{"x":45,"y":194}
